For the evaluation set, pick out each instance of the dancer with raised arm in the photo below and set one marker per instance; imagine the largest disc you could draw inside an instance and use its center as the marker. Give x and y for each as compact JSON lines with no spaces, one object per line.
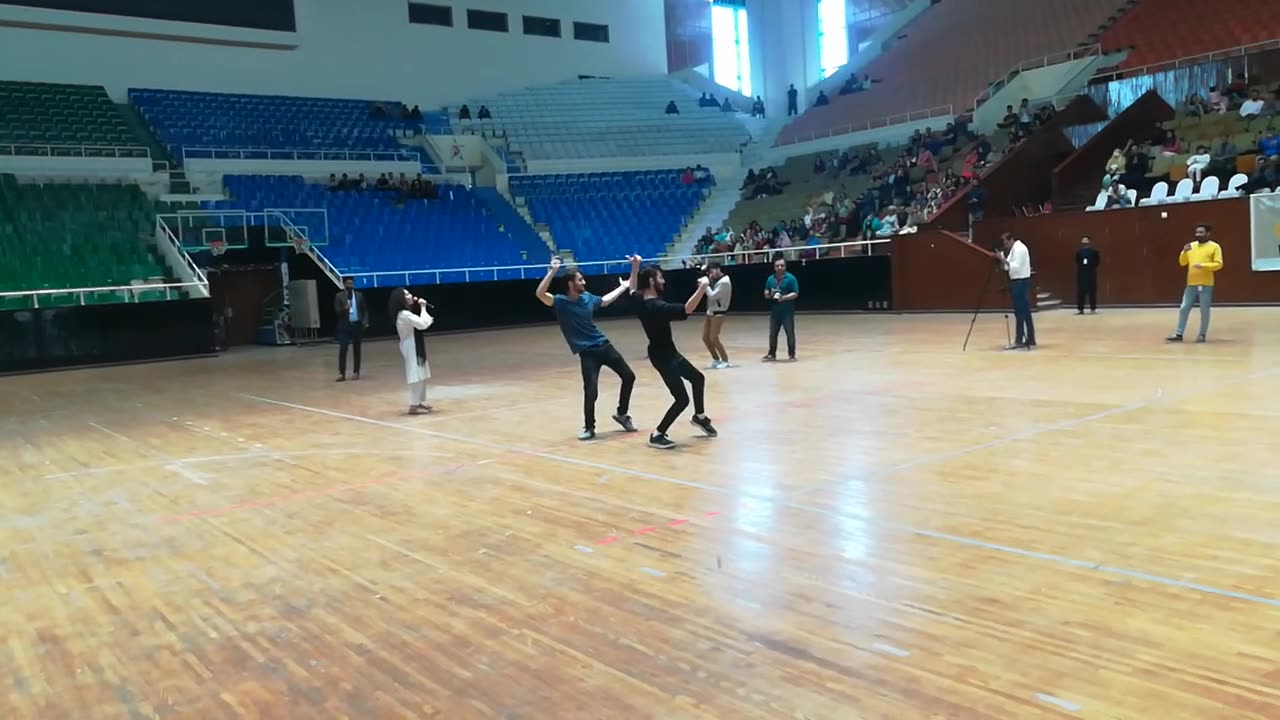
{"x":412,"y":320}
{"x":575,"y":311}
{"x":656,"y":316}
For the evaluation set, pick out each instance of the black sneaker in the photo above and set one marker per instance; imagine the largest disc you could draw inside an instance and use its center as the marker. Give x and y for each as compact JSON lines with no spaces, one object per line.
{"x":769,"y":358}
{"x":1174,"y":338}
{"x":704,"y":423}
{"x":587,"y":434}
{"x":341,"y":378}
{"x":1200,"y":338}
{"x":661,"y":441}
{"x":625,"y":422}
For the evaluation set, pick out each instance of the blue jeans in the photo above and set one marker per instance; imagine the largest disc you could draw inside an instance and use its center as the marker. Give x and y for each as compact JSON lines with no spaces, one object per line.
{"x":1025,"y":332}
{"x":1204,"y":293}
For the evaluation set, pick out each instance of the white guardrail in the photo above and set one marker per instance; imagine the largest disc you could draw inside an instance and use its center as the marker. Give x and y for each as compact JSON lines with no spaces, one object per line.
{"x":207,"y":153}
{"x":604,"y":267}
{"x":80,"y":151}
{"x":130,"y":292}
{"x":881,"y":122}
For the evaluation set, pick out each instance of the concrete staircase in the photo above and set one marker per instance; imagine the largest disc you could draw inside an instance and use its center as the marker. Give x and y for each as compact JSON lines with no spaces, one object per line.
{"x":714,"y":211}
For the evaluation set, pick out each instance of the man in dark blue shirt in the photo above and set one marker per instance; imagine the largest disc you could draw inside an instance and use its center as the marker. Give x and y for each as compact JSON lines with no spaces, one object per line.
{"x":575,"y":310}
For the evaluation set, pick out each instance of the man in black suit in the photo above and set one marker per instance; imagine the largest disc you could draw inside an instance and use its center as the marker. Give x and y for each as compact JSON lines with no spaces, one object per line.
{"x":352,"y":319}
{"x":1087,"y":261}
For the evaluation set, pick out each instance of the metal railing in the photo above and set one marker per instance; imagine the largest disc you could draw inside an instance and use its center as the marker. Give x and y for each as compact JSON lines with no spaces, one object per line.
{"x":603,"y":267}
{"x":172,"y":239}
{"x":1036,"y":63}
{"x":79,"y":151}
{"x":1222,"y":54}
{"x":207,"y":153}
{"x":129,"y":291}
{"x":883,"y":122}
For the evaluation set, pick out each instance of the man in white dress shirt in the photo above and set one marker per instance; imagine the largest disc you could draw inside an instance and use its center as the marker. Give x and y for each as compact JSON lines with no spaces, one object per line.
{"x":1017,"y":261}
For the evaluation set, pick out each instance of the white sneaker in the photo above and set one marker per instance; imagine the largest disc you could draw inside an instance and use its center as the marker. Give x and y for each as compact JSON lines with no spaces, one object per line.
{"x":715,"y":365}
{"x":724,"y":364}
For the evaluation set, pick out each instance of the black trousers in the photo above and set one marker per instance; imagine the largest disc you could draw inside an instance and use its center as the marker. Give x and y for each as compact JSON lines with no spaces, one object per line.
{"x":1086,"y":287}
{"x":1024,"y":326}
{"x":782,"y":321}
{"x":351,"y":335}
{"x":791,"y":108}
{"x":592,"y":360}
{"x":675,"y":370}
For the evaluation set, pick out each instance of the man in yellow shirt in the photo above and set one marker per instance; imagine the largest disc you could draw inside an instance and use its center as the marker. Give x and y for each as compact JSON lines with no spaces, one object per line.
{"x":1202,"y":259}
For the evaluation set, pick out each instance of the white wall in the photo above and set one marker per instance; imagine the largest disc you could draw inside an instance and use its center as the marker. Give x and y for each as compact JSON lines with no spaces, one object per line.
{"x":343,"y":48}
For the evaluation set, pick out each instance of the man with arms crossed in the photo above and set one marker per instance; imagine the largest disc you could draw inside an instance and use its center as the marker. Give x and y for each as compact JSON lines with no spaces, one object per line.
{"x":1202,"y":259}
{"x":718,"y":296}
{"x":575,"y":310}
{"x":656,"y":316}
{"x":352,"y":320}
{"x":782,"y":289}
{"x":1017,"y":261}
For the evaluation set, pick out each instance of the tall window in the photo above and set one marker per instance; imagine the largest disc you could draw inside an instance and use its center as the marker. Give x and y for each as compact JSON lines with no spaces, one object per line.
{"x":730,"y":48}
{"x":833,"y":36}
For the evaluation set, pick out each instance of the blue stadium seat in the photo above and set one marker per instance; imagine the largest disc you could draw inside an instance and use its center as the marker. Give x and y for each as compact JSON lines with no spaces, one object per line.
{"x":370,"y":232}
{"x":192,"y":120}
{"x":605,"y":216}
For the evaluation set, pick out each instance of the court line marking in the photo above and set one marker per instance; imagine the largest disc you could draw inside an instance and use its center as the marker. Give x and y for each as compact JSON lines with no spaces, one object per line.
{"x":890,"y":649}
{"x":1053,"y":700}
{"x":194,"y":476}
{"x":111,"y":432}
{"x":959,"y":539}
{"x":263,"y":454}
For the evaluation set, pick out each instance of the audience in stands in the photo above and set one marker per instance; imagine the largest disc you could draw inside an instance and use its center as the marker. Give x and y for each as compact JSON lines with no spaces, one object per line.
{"x":1198,"y":163}
{"x":1170,"y":144}
{"x":1196,"y":105}
{"x":414,"y":114}
{"x":464,"y":112}
{"x":1265,"y":175}
{"x":1238,"y":90}
{"x":726,"y":106}
{"x":707,"y":101}
{"x":1269,"y":145}
{"x":382,"y":183}
{"x":822,"y":99}
{"x":484,"y":113}
{"x":1217,"y":102}
{"x":671,"y":108}
{"x":1253,"y":106}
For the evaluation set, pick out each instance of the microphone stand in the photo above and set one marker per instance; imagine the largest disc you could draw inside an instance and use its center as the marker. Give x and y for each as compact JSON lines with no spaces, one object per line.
{"x":986,"y":285}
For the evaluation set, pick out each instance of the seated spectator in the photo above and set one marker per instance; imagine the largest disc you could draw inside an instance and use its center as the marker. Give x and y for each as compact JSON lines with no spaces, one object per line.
{"x":464,"y":112}
{"x":686,"y":176}
{"x":888,"y":223}
{"x":1217,"y":103}
{"x":359,"y":183}
{"x":403,"y":184}
{"x":712,"y":102}
{"x":1009,"y":120}
{"x":1045,"y":114}
{"x":484,"y":113}
{"x":1196,"y":106}
{"x":1170,"y":145}
{"x":405,"y":112}
{"x":1238,"y":90}
{"x":415,"y":188}
{"x":705,"y":101}
{"x":344,"y":183}
{"x":334,"y":185}
{"x":378,"y":112}
{"x":757,"y":107}
{"x":1198,"y":163}
{"x":1117,"y":162}
{"x":926,"y":160}
{"x":819,"y":165}
{"x":430,"y":191}
{"x":1118,"y":197}
{"x":822,"y":99}
{"x":1269,"y":145}
{"x":382,"y":183}
{"x":701,"y":174}
{"x":1253,"y":106}
{"x":983,"y":151}
{"x":415,"y":113}
{"x":1138,"y":164}
{"x":1223,"y":153}
{"x":726,"y":106}
{"x":749,"y":180}
{"x":1264,"y":177}
{"x":672,"y":109}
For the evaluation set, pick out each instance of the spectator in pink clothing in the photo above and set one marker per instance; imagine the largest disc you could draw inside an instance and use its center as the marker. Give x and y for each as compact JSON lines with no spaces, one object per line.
{"x":1217,"y":103}
{"x":926,"y":160}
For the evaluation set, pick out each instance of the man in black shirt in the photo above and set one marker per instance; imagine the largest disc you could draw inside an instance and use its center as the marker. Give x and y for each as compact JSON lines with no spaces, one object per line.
{"x":1087,"y":262}
{"x":656,"y":316}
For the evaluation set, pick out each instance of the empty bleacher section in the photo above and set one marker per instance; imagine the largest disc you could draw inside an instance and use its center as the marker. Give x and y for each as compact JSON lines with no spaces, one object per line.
{"x":375,"y":231}
{"x":74,"y":236}
{"x":1156,"y":31}
{"x":607,"y":216}
{"x":950,"y":54}
{"x":606,"y":119}
{"x":199,"y":125}
{"x":60,"y":120}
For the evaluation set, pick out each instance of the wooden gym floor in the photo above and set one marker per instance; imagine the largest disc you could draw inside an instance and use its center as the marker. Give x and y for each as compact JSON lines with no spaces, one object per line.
{"x":887,"y":529}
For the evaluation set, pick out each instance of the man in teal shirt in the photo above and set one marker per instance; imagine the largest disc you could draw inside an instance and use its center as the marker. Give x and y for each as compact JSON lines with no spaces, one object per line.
{"x":781,"y":289}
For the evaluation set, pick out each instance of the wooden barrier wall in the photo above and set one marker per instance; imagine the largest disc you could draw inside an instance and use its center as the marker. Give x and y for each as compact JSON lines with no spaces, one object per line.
{"x":1139,"y":249}
{"x":936,"y":270}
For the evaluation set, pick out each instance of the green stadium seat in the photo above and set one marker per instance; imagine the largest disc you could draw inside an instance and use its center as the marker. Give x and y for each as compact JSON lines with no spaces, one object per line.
{"x":33,"y":114}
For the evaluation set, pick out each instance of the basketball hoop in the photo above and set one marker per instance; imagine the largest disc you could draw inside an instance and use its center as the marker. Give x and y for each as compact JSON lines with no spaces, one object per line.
{"x":217,"y":247}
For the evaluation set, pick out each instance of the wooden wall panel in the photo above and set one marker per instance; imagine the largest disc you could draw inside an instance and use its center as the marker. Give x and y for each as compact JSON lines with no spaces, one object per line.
{"x":936,"y":270}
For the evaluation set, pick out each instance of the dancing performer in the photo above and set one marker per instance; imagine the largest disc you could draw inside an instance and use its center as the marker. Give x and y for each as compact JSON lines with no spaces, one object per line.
{"x":412,"y":321}
{"x":719,"y":293}
{"x":656,"y":316}
{"x":575,"y":310}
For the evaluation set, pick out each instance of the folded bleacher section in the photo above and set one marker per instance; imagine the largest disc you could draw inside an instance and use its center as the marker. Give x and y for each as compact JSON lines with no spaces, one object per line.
{"x":950,"y":54}
{"x":200,"y":122}
{"x":74,"y":236}
{"x":35,"y":116}
{"x":1156,"y":31}
{"x":607,"y":216}
{"x":606,"y":119}
{"x":373,"y":231}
